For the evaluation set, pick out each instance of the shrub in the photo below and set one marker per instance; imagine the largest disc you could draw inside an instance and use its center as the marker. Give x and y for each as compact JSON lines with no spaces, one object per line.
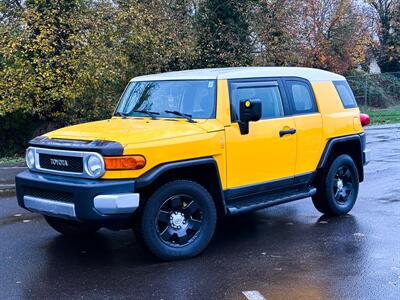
{"x":16,"y":129}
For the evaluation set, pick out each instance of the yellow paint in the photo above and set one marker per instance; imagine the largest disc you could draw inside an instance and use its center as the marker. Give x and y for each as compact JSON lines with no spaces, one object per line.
{"x":336,"y":120}
{"x":309,"y":142}
{"x":262,"y":155}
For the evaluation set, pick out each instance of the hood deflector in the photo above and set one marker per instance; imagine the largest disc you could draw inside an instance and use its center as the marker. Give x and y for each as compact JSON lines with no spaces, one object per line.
{"x":107,"y":148}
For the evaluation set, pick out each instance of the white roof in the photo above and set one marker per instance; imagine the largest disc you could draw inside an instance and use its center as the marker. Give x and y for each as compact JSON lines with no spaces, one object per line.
{"x":244,"y":72}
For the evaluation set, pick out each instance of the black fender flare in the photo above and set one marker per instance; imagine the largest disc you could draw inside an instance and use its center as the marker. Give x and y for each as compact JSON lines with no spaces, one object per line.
{"x":151,"y":175}
{"x":331,"y":143}
{"x":361,"y":138}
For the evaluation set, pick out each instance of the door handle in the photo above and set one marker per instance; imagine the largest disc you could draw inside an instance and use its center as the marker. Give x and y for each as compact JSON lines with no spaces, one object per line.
{"x":289,"y":131}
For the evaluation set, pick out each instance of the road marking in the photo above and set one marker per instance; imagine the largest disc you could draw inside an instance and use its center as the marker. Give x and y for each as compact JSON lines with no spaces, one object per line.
{"x":253,"y":295}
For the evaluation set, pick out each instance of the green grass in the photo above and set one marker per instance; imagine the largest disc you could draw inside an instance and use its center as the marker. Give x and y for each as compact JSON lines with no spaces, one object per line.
{"x":12,"y":160}
{"x":382,"y":116}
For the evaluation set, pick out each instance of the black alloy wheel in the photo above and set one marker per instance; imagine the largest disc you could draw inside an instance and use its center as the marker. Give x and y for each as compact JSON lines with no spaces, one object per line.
{"x":337,"y":191}
{"x":344,"y":183}
{"x":178,"y":220}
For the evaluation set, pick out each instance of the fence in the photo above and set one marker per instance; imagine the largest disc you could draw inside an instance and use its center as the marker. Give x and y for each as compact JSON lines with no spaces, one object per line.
{"x":376,"y":90}
{"x":378,"y":95}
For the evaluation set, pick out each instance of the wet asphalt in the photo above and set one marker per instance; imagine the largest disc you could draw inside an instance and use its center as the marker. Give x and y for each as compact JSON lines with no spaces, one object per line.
{"x":284,"y":252}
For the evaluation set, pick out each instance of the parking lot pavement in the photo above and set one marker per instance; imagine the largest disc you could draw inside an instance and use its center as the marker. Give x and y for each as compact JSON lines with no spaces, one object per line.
{"x":284,"y":252}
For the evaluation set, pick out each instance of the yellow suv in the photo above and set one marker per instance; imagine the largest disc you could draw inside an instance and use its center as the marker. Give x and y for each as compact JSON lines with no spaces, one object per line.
{"x":184,"y":148}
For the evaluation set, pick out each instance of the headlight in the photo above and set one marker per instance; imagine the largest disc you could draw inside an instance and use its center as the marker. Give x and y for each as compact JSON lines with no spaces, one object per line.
{"x":95,"y":166}
{"x":30,"y":158}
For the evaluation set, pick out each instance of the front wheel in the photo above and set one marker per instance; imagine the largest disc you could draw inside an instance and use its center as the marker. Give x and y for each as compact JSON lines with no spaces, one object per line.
{"x":178,"y":220}
{"x":70,"y":227}
{"x":338,"y":190}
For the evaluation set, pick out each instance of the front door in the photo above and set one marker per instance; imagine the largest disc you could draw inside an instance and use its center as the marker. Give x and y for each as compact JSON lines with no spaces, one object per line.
{"x":264,"y":157}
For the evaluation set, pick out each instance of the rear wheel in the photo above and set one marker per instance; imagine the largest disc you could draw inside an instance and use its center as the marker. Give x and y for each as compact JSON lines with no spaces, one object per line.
{"x":70,"y":227}
{"x":338,"y":190}
{"x":178,"y":220}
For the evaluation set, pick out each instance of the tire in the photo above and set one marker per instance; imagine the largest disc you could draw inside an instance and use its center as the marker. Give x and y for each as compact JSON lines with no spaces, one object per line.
{"x":338,"y":190}
{"x":178,"y":220}
{"x":71,"y":228}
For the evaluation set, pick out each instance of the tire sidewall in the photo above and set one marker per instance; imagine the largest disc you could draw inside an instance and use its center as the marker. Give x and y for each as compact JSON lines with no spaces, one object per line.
{"x":150,"y":212}
{"x":335,"y":207}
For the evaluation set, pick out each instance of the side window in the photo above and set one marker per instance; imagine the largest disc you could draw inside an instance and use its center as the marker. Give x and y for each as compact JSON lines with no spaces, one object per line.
{"x":301,"y":96}
{"x":345,"y":94}
{"x":269,"y":95}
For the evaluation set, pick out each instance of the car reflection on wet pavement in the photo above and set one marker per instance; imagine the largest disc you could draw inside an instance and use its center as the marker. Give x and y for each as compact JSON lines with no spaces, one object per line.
{"x":284,"y":252}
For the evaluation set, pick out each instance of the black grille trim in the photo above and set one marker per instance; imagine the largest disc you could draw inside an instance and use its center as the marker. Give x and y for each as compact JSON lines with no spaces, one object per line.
{"x":48,"y":194}
{"x":75,"y":164}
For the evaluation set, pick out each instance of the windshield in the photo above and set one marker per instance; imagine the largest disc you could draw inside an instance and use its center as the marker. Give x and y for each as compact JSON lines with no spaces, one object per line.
{"x":191,"y":97}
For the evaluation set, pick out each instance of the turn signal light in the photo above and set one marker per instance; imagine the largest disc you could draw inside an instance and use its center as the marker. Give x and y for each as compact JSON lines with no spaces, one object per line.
{"x":129,"y":162}
{"x":364,"y":119}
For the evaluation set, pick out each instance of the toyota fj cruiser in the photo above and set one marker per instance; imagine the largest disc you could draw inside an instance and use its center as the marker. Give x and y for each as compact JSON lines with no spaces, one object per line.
{"x":184,"y":148}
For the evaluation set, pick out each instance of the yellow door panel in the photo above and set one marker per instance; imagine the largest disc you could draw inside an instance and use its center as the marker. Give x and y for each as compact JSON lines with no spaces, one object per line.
{"x":261,"y":155}
{"x":309,"y":142}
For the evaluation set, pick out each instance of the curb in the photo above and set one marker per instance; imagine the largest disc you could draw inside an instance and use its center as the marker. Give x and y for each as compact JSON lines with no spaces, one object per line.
{"x":385,"y":126}
{"x":7,"y":187}
{"x":7,"y":176}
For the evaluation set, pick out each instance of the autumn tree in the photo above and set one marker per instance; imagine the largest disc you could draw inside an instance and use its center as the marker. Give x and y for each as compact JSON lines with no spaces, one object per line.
{"x":156,"y":35}
{"x":223,"y":33}
{"x":274,"y":24}
{"x":53,"y":59}
{"x":388,"y":52}
{"x":332,"y":34}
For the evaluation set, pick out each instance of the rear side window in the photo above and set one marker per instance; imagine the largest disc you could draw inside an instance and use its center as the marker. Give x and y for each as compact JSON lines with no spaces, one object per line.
{"x":302,"y":98}
{"x":345,"y":94}
{"x":269,"y":96}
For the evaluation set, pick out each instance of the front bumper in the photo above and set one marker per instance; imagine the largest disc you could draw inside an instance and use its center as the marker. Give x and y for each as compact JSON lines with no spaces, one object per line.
{"x":102,"y":201}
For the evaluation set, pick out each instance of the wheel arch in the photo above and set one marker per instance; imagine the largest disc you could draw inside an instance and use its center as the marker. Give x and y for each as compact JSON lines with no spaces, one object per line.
{"x":351,"y":145}
{"x":201,"y":170}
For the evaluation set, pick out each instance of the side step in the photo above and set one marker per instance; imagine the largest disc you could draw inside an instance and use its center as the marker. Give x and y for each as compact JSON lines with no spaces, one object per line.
{"x":250,"y":203}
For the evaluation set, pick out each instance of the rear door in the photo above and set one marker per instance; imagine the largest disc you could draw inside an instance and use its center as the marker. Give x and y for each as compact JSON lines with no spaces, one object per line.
{"x":308,"y":122}
{"x":265,"y":154}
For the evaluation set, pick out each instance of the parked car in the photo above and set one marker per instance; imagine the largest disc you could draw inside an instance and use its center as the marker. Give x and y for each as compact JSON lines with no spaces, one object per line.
{"x":184,"y":148}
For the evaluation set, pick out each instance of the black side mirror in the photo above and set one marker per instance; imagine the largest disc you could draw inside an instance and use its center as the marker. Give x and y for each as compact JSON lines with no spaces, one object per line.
{"x":249,"y":110}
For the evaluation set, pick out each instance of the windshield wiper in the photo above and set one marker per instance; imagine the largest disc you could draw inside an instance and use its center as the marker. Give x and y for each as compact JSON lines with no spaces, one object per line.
{"x":152,"y":114}
{"x":121,"y":114}
{"x":178,"y":113}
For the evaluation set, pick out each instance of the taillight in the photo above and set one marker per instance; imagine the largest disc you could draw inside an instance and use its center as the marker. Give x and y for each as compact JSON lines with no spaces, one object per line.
{"x":364,"y":119}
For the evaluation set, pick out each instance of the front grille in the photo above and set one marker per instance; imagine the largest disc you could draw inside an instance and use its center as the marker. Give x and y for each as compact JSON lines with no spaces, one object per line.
{"x":61,"y":163}
{"x":48,"y":194}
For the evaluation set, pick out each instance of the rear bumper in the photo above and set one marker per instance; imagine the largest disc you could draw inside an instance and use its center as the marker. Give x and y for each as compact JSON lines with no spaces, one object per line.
{"x":102,"y":201}
{"x":366,"y":156}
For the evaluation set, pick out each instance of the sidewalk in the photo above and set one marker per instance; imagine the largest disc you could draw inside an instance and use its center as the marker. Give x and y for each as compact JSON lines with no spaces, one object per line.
{"x":8,"y":171}
{"x":7,"y":175}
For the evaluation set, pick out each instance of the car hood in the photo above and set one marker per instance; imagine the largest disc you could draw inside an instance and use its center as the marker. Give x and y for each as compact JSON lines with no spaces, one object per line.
{"x":134,"y":130}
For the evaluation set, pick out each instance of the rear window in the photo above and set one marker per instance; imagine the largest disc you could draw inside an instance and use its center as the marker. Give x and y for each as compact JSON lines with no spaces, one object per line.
{"x":345,"y":94}
{"x":302,"y":99}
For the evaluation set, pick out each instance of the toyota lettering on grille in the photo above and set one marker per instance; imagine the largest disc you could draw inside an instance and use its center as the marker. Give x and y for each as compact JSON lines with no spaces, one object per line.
{"x":59,"y":162}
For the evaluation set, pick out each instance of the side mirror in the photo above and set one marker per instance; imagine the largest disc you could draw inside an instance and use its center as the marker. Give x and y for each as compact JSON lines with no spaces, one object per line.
{"x":249,"y":110}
